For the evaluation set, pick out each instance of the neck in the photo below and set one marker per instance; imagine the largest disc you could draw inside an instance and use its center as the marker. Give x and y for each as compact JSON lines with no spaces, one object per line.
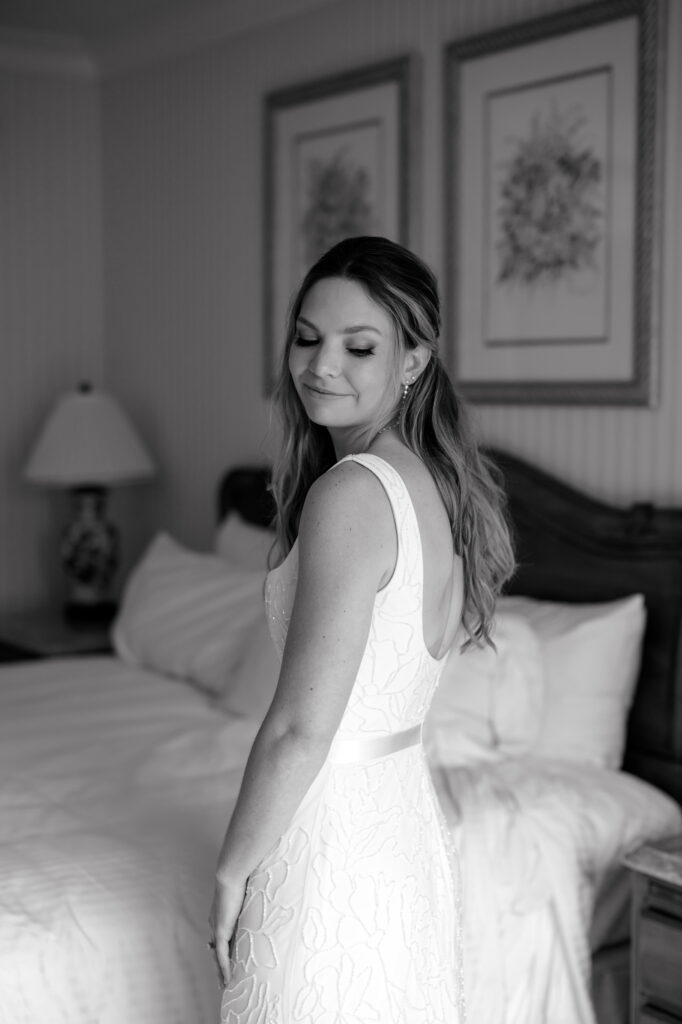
{"x":354,"y":442}
{"x":349,"y":442}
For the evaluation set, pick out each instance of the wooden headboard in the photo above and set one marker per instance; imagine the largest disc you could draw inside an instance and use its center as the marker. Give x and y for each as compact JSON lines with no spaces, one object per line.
{"x":573,"y":548}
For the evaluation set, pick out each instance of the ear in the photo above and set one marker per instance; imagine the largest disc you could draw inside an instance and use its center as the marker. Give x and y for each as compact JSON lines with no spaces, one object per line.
{"x":415,"y":362}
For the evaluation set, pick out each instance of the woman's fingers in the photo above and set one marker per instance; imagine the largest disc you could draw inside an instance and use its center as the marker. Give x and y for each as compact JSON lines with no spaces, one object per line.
{"x":222,"y":954}
{"x":227,"y":903}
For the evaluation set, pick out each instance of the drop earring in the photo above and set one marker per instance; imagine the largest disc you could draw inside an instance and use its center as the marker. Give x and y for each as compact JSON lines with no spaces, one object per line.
{"x":406,"y":388}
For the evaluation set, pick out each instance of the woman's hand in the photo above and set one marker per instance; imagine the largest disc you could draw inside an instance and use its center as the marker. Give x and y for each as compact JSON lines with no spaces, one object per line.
{"x":222,"y":920}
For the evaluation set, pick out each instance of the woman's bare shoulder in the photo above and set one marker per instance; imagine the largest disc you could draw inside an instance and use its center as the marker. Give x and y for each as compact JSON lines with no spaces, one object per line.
{"x":347,"y":517}
{"x":347,"y":490}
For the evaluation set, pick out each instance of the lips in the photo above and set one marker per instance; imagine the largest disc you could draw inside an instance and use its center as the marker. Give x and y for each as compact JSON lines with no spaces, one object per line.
{"x":321,"y":391}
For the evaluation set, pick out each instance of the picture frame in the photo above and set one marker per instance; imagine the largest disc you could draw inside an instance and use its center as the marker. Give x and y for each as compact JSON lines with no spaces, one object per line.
{"x":340,"y":160}
{"x":553,"y":167}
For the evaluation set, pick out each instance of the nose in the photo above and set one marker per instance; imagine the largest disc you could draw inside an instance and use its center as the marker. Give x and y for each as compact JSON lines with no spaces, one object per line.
{"x":325,"y":361}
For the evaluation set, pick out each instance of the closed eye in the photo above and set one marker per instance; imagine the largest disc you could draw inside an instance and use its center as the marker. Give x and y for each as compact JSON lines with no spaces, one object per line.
{"x":361,"y":351}
{"x":304,"y":342}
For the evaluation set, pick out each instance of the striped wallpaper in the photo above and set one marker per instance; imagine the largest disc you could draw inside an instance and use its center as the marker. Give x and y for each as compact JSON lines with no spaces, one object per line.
{"x":181,"y":165}
{"x":183,"y":205}
{"x":51,"y":332}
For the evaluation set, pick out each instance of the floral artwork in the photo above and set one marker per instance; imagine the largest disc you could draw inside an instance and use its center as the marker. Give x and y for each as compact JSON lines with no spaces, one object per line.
{"x":548,"y":193}
{"x":549,"y":214}
{"x":340,"y":161}
{"x":553,"y":171}
{"x":339,"y":203}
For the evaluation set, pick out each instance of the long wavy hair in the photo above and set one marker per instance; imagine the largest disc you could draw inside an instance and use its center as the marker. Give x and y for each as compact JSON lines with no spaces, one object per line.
{"x":432,"y":421}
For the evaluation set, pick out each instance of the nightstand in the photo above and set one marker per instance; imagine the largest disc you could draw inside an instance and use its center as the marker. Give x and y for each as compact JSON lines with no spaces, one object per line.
{"x":656,"y":950}
{"x":47,"y":633}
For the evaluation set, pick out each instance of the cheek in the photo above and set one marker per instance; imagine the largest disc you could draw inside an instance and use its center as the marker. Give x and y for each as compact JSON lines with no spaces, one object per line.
{"x":294,"y":361}
{"x":383,"y":380}
{"x":374,"y":391}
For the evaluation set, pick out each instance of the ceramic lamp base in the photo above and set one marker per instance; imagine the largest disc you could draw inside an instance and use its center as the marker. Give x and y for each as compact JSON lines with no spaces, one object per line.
{"x":89,"y":551}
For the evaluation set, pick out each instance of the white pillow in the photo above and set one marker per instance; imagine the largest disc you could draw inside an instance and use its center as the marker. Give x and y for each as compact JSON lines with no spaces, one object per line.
{"x":252,"y":685}
{"x":243,"y":543}
{"x":488,"y":703}
{"x":592,"y":656}
{"x":187,"y":615}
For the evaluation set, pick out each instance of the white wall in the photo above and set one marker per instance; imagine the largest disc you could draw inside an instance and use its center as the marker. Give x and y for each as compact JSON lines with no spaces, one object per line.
{"x":183,"y":221}
{"x":50,"y":295}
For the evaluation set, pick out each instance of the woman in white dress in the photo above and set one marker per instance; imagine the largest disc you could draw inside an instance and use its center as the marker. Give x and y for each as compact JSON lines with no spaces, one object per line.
{"x":337,"y":891}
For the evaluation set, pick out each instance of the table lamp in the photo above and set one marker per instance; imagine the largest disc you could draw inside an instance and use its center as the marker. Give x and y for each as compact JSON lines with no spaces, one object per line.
{"x":88,"y":445}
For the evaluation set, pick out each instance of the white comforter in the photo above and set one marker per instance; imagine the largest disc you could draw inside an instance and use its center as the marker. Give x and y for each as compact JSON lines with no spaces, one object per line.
{"x":115,"y":788}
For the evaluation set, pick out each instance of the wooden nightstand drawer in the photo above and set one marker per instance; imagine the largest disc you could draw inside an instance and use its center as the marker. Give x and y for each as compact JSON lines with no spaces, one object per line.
{"x":664,"y":899}
{"x":660,"y":957}
{"x":656,"y":947}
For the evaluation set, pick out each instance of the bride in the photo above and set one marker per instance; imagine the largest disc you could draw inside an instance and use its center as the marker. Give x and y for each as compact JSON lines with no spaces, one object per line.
{"x":337,"y":888}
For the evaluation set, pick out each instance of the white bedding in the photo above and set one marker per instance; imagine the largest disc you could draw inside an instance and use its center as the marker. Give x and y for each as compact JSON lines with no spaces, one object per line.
{"x":115,"y":788}
{"x":540,"y":843}
{"x":109,"y":833}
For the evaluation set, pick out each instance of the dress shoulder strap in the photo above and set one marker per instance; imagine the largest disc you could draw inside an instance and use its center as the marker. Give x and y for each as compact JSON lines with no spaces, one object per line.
{"x":407,"y":529}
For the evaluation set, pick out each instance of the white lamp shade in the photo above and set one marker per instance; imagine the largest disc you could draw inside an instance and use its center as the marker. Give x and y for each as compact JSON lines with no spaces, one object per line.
{"x":88,"y":440}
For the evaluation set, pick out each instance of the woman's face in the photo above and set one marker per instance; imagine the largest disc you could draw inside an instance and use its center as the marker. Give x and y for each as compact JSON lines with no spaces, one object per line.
{"x":343,"y":360}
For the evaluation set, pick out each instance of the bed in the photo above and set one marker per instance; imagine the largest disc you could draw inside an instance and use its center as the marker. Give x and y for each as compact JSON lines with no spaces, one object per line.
{"x":118,"y":774}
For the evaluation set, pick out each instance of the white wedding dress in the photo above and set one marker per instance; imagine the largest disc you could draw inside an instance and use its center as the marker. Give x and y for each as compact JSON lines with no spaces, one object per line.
{"x":353,"y":916}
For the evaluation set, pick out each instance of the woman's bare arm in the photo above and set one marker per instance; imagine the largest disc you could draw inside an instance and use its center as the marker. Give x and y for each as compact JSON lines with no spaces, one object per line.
{"x":347,"y":550}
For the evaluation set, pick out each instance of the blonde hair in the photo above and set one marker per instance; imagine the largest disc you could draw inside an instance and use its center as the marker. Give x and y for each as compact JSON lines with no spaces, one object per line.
{"x":432,"y":421}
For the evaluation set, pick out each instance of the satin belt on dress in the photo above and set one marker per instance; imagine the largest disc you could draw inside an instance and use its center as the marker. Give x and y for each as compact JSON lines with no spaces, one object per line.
{"x":343,"y":751}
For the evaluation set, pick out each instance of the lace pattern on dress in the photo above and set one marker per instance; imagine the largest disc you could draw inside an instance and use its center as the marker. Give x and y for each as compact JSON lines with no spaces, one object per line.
{"x":354,"y":915}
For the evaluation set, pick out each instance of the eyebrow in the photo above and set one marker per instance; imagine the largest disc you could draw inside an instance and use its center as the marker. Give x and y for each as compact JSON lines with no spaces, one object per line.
{"x":353,"y":329}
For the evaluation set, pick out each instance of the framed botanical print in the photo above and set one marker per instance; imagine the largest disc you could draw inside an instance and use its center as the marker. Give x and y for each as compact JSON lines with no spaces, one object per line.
{"x":339,"y":161}
{"x":553,"y":192}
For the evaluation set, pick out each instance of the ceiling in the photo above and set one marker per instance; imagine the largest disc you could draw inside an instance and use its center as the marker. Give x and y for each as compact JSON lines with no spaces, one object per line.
{"x":92,"y":22}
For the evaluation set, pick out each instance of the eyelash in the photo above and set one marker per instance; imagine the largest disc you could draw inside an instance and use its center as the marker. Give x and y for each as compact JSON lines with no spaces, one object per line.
{"x":309,"y":342}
